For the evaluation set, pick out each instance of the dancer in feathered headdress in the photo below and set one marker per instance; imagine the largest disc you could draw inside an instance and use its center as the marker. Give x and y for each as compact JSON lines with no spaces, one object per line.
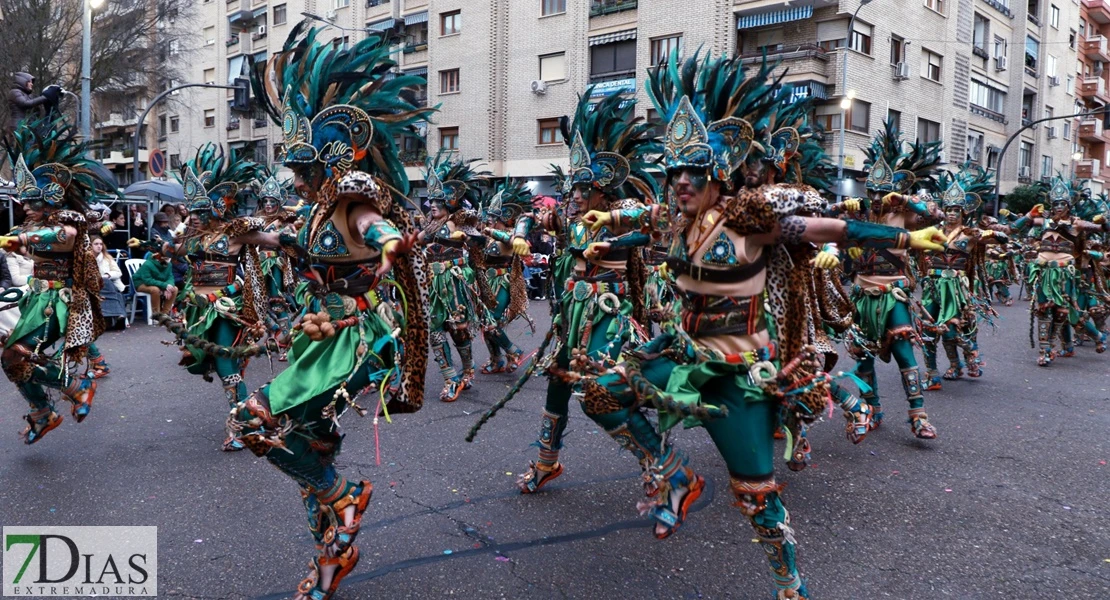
{"x":1056,"y":289}
{"x":450,"y":238}
{"x":722,"y":367}
{"x":340,"y":109}
{"x":54,"y":183}
{"x":506,"y":218}
{"x":888,"y":320}
{"x":952,"y":276}
{"x":277,"y":268}
{"x":220,"y":317}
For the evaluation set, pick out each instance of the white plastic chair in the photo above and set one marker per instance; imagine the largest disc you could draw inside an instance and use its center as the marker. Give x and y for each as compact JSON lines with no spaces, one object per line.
{"x":133,"y":265}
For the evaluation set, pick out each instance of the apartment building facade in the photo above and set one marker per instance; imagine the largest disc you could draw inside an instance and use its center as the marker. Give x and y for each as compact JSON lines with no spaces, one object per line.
{"x":1093,"y":127}
{"x":969,"y":72}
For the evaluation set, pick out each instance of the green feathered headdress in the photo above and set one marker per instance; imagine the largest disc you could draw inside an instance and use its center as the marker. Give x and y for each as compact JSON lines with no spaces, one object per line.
{"x":891,"y":167}
{"x":49,"y":165}
{"x":507,"y":201}
{"x":609,"y":148}
{"x":339,"y":108}
{"x":454,"y":182}
{"x":716,"y":117}
{"x":794,"y":150}
{"x":967,"y":189}
{"x":212,"y":182}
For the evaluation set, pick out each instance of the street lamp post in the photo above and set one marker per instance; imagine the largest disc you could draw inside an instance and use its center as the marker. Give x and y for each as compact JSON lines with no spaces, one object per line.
{"x":142,"y":119}
{"x":86,"y":66}
{"x":846,"y":102}
{"x":1010,"y":140}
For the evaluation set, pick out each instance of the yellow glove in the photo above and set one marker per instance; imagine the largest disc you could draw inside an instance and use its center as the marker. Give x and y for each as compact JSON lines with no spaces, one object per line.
{"x":825,"y":260}
{"x":889,"y":198}
{"x":107,"y":228}
{"x":855,"y":252}
{"x":664,"y":271}
{"x":1098,"y":219}
{"x":929,"y":238}
{"x":596,"y":219}
{"x":521,"y":247}
{"x":1004,"y":212}
{"x":458,"y":235}
{"x":852,"y":205}
{"x":596,"y":250}
{"x":9,"y":241}
{"x":987,"y":233}
{"x":134,"y":243}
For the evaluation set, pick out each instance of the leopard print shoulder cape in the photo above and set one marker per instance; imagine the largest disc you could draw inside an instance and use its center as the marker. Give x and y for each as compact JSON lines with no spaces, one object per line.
{"x":85,"y":322}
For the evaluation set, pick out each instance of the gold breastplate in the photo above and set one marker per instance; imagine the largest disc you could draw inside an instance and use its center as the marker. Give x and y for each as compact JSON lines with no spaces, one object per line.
{"x":334,"y":242}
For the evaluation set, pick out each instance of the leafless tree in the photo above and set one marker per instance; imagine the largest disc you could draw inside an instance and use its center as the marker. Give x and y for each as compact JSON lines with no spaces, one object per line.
{"x":136,"y":45}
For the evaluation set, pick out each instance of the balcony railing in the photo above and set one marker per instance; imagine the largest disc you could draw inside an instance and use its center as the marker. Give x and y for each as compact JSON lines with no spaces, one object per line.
{"x":1087,"y":169}
{"x":414,"y":158}
{"x":373,"y":3}
{"x":259,"y":123}
{"x":231,"y":41}
{"x":1090,"y":130}
{"x":415,"y":47}
{"x":605,"y":7}
{"x":233,"y":124}
{"x":988,"y":113}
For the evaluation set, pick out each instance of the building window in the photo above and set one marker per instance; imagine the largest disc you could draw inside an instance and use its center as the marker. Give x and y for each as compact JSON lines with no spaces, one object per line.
{"x":858,"y":116}
{"x":974,"y":147}
{"x":175,"y":124}
{"x":613,"y":60}
{"x":1054,"y":16}
{"x":341,"y":3}
{"x":831,"y":34}
{"x":1071,"y":39}
{"x":209,"y":35}
{"x":985,"y":96}
{"x":861,"y":38}
{"x":279,"y":14}
{"x":928,"y":131}
{"x":1071,"y":85}
{"x":449,"y":81}
{"x":662,"y":48}
{"x":175,"y":161}
{"x":897,"y":49}
{"x":1067,"y":129}
{"x":828,"y":117}
{"x":930,"y":65}
{"x":549,"y":132}
{"x":554,"y":7}
{"x":1035,"y":9}
{"x":1000,"y":47}
{"x":1046,"y":167}
{"x":937,"y":5}
{"x":553,"y":67}
{"x":162,"y":127}
{"x":895,"y":117}
{"x":1032,"y":52}
{"x":209,"y":117}
{"x":992,"y":157}
{"x":1050,"y":65}
{"x":982,"y":32}
{"x":450,"y":23}
{"x":449,"y":138}
{"x":769,"y":40}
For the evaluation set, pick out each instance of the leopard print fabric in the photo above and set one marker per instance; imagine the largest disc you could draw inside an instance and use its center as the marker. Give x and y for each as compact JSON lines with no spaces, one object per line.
{"x":254,"y":292}
{"x":85,"y":322}
{"x":412,"y":278}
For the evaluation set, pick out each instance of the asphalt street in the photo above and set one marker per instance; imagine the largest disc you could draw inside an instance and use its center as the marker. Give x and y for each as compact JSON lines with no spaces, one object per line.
{"x":1010,"y":502}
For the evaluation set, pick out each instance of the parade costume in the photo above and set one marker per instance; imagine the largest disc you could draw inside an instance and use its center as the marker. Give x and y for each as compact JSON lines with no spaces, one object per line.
{"x":1053,"y":274}
{"x":53,"y":182}
{"x":451,"y":243}
{"x":277,"y":269}
{"x":340,"y":109}
{"x":600,"y":303}
{"x":886,"y":315}
{"x":953,"y":276}
{"x":219,"y":311}
{"x":507,"y":219}
{"x":730,"y":366}
{"x":1002,"y":272}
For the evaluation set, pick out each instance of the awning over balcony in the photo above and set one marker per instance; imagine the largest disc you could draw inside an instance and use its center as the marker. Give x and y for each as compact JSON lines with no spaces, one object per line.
{"x":609,"y":38}
{"x":774,"y":17}
{"x":798,"y":91}
{"x":413,"y":19}
{"x":420,"y":71}
{"x":235,"y":69}
{"x":382,"y":25}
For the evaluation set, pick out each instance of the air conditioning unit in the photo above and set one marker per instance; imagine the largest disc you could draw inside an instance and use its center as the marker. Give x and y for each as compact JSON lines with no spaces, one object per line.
{"x":261,"y":30}
{"x":1024,"y":172}
{"x":539,"y":87}
{"x":330,"y":15}
{"x":902,"y":71}
{"x":1000,"y":62}
{"x":942,"y":156}
{"x":1053,"y":81}
{"x":1051,"y":133}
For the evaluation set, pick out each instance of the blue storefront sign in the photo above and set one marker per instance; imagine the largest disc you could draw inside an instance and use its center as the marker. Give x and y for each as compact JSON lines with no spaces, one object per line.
{"x":621,"y":86}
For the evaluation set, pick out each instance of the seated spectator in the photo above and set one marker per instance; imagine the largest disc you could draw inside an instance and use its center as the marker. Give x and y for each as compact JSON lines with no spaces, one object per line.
{"x":155,"y":277}
{"x":111,"y":290}
{"x":20,"y":267}
{"x":162,"y":228}
{"x":117,"y":240}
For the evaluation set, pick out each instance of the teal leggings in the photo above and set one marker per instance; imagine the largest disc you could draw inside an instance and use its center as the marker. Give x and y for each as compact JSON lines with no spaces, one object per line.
{"x":901,"y":350}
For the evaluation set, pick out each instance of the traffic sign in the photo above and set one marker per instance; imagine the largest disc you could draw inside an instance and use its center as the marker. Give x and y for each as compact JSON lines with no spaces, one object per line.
{"x":157,"y":163}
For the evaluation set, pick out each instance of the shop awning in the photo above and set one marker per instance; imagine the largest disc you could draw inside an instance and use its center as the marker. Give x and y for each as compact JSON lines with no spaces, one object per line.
{"x":609,"y":38}
{"x":774,"y":17}
{"x":413,"y":19}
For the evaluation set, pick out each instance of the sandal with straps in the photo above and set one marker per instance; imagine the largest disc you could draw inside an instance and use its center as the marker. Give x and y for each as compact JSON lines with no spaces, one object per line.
{"x":531,"y":480}
{"x":662,"y":512}
{"x":81,"y":394}
{"x":39,"y":424}
{"x":309,"y":587}
{"x":343,"y":535}
{"x":954,"y":373}
{"x":492,"y":367}
{"x":514,"y":361}
{"x":919,"y":424}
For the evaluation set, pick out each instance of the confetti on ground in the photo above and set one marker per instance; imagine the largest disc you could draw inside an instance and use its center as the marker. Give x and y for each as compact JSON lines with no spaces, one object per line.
{"x":198,"y":541}
{"x":948,"y":489}
{"x":1102,"y":462}
{"x":506,"y":559}
{"x":508,"y":472}
{"x":448,"y":551}
{"x":755,"y":540}
{"x":894,"y":472}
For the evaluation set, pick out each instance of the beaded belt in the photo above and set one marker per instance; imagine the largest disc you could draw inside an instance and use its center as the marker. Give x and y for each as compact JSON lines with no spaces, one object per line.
{"x":491,"y":273}
{"x":743,"y":316}
{"x":761,"y":369}
{"x":1054,"y":263}
{"x":207,"y":274}
{"x":443,"y":266}
{"x":946,"y":272}
{"x":583,"y":290}
{"x":41,"y":285}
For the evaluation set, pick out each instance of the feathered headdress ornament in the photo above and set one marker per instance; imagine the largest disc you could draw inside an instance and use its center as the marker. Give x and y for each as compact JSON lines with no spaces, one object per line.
{"x":49,"y":165}
{"x":508,"y":201}
{"x":609,"y":148}
{"x":212,"y":182}
{"x":967,"y":189}
{"x":893,"y":168}
{"x":453,"y":182}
